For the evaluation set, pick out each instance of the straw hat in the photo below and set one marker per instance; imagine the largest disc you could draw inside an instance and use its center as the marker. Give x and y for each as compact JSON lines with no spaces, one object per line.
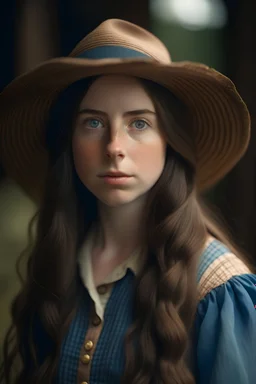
{"x":221,"y":120}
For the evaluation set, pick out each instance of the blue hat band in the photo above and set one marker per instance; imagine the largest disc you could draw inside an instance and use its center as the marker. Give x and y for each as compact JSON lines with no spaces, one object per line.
{"x":111,"y":52}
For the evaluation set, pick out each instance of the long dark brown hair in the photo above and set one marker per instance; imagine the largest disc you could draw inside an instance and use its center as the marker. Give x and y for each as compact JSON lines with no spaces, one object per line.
{"x":166,"y":293}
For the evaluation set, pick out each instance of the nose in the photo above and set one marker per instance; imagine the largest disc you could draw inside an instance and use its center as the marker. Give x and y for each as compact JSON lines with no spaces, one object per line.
{"x":115,"y":146}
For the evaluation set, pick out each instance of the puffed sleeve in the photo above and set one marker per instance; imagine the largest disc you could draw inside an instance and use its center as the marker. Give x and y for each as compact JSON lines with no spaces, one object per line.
{"x":225,"y":333}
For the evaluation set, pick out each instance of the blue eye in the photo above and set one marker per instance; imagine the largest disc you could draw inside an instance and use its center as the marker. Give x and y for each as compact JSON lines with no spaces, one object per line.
{"x":140,"y":124}
{"x":93,"y":123}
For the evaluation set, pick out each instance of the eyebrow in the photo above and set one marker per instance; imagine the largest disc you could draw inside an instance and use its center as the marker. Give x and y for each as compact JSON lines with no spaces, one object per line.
{"x":128,"y":113}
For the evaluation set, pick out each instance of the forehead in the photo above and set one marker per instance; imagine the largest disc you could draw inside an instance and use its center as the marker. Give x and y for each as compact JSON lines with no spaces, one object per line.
{"x":119,"y":92}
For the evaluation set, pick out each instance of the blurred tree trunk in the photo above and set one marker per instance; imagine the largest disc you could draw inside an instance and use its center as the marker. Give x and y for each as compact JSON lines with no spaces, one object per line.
{"x":7,"y":21}
{"x":36,"y":34}
{"x":7,"y":30}
{"x":239,"y":205}
{"x":35,"y":39}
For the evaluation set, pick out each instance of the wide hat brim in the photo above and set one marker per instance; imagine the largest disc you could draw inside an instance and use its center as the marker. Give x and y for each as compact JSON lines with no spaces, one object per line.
{"x":220,"y":119}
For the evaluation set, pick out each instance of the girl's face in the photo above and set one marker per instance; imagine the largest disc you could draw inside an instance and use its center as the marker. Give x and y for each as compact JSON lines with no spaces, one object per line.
{"x":116,"y":130}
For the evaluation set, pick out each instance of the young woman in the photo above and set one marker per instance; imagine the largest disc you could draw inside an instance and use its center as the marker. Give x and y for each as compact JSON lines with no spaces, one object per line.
{"x":129,"y":278}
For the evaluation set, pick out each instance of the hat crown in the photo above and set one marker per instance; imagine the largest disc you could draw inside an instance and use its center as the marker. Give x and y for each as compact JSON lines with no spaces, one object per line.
{"x":115,"y":32}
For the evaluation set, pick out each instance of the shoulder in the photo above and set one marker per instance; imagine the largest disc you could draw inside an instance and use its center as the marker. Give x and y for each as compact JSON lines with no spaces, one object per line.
{"x":225,"y":321}
{"x":217,"y":265}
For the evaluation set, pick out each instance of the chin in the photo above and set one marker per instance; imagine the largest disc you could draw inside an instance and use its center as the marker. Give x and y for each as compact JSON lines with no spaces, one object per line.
{"x":115,"y":201}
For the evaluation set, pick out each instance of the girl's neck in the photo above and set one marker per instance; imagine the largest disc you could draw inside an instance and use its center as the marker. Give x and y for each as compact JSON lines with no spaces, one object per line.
{"x":119,"y":228}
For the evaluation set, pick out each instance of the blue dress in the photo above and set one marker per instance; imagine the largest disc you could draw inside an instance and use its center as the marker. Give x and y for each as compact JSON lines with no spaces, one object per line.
{"x":225,"y":333}
{"x":224,"y":337}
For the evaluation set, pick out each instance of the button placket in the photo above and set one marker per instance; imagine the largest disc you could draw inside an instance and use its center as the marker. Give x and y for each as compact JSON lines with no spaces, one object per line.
{"x":88,"y":348}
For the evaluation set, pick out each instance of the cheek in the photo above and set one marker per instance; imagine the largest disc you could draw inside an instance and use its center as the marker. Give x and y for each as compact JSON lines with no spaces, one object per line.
{"x":150,"y":158}
{"x":86,"y":155}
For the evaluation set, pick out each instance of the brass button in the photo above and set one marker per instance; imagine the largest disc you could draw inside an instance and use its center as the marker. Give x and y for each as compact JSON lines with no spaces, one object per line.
{"x":88,"y":345}
{"x":86,"y":359}
{"x":96,"y":321}
{"x":102,"y":289}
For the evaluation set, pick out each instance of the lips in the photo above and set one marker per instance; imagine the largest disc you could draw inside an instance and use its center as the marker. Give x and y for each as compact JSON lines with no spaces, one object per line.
{"x":114,"y":174}
{"x":116,"y":180}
